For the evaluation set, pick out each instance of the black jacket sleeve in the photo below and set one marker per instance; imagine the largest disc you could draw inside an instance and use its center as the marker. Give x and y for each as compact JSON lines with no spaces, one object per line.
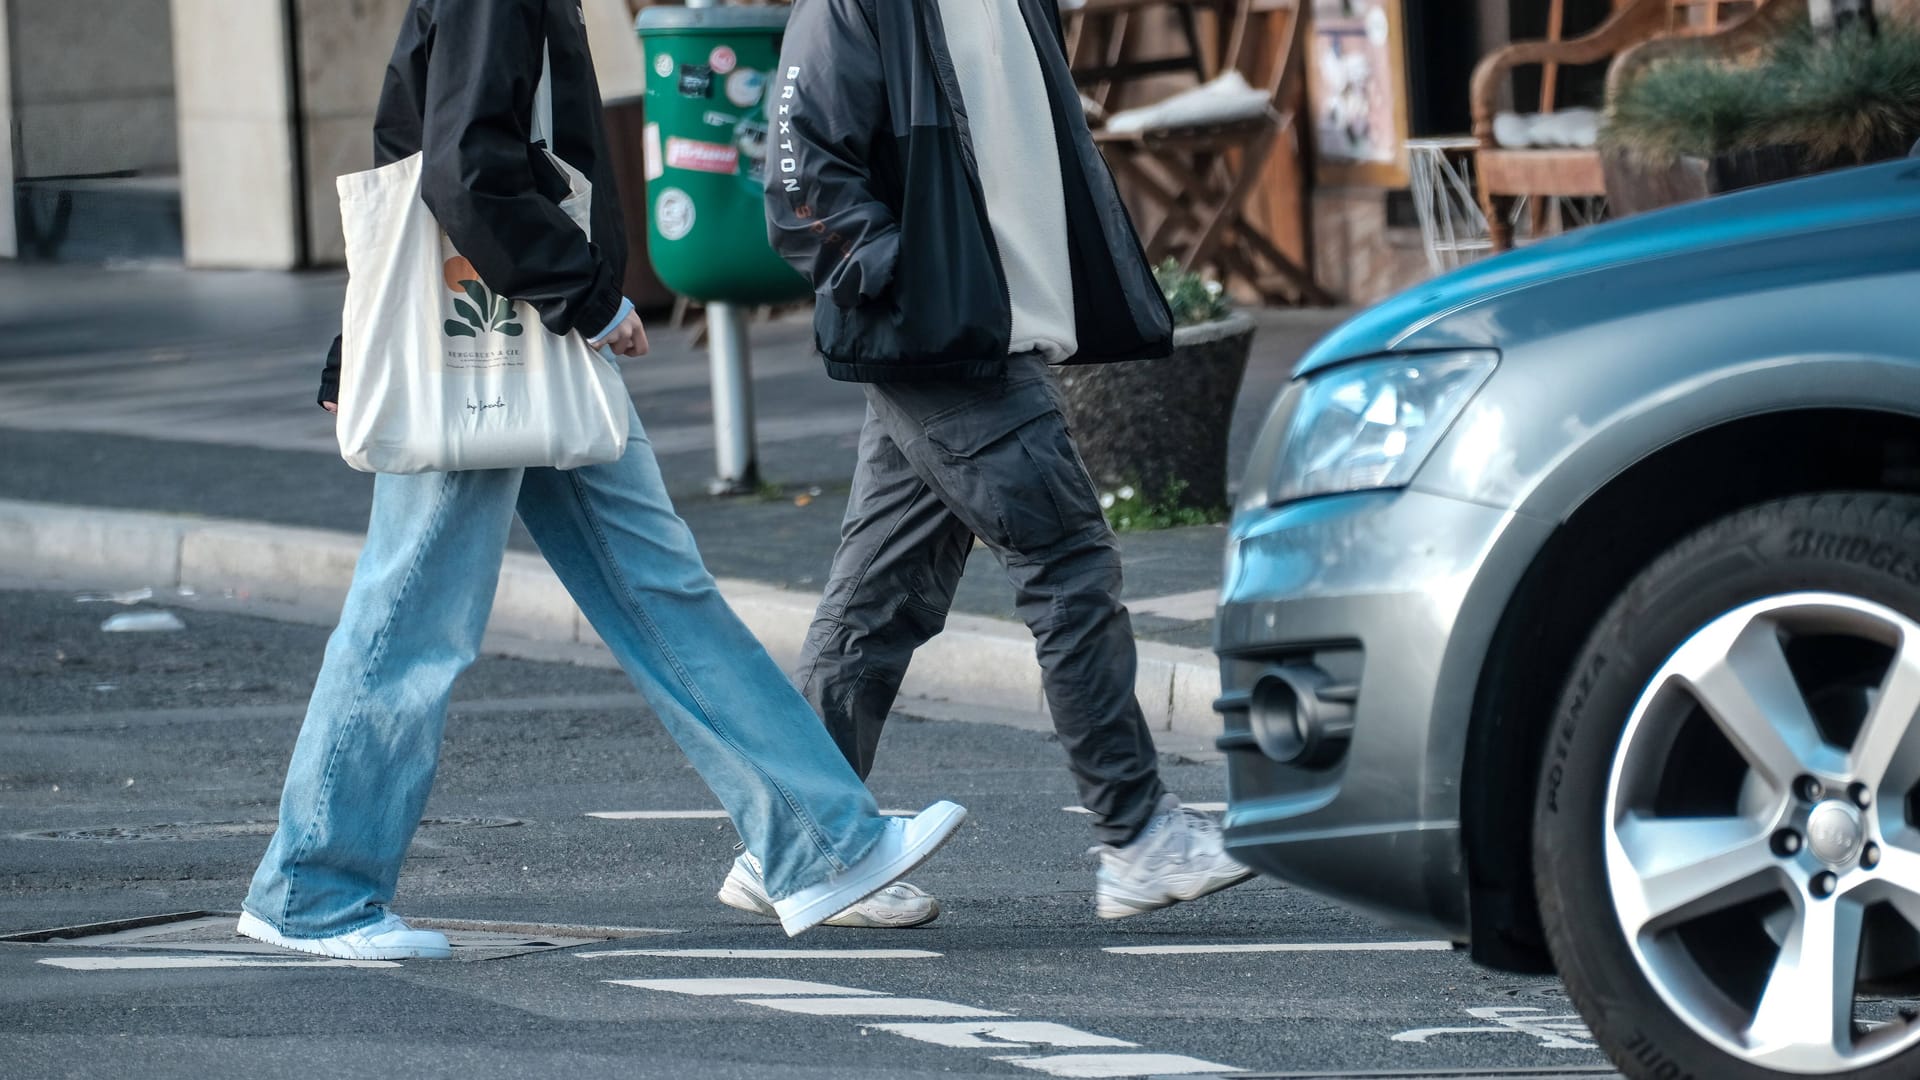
{"x":484,"y":182}
{"x":826,"y":106}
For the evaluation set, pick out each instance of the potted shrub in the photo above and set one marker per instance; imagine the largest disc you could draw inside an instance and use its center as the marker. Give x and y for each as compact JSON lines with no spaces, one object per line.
{"x":1154,"y":432}
{"x":1686,"y":129}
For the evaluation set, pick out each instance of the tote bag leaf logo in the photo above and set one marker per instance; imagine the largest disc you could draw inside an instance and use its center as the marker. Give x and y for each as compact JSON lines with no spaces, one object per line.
{"x":487,"y":312}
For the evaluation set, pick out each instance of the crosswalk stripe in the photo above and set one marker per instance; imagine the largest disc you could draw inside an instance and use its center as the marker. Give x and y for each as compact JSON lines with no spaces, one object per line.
{"x":739,"y":987}
{"x":171,"y":963}
{"x":1203,"y":807}
{"x":1118,"y":1065}
{"x":1281,"y":947}
{"x":768,"y":954}
{"x":691,"y":815}
{"x":870,"y":1006}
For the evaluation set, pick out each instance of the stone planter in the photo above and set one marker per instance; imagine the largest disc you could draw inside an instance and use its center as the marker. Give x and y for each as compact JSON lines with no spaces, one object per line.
{"x":1635,"y":185}
{"x":1151,"y":423}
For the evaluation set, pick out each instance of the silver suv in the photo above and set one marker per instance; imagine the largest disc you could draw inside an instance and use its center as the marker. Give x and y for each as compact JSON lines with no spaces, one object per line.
{"x":1572,"y":612}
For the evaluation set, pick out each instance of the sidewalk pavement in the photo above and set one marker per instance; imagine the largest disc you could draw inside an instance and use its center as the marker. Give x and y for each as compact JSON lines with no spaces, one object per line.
{"x":158,"y":428}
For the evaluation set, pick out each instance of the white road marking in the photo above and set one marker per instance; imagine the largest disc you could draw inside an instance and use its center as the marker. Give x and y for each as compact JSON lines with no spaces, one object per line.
{"x":1281,"y":947}
{"x":659,"y":815}
{"x":1203,"y":807}
{"x":691,"y":815}
{"x":870,"y":1006}
{"x":1186,"y":607}
{"x":769,"y":954}
{"x":1001,"y":1035}
{"x":1554,"y":1032}
{"x":1111,"y":1065}
{"x":212,"y":960}
{"x":737,"y":987}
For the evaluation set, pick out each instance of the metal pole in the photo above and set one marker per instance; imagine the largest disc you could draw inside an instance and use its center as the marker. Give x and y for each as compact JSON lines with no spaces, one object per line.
{"x":737,"y":465}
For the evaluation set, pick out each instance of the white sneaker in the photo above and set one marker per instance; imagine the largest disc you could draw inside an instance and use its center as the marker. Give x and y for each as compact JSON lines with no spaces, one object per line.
{"x":896,"y":907}
{"x":906,"y":843}
{"x":1177,"y":857}
{"x":389,"y":939}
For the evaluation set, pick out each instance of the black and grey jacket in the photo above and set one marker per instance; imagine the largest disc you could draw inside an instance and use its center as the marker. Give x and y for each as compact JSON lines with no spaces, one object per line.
{"x":873,"y":193}
{"x":460,"y":88}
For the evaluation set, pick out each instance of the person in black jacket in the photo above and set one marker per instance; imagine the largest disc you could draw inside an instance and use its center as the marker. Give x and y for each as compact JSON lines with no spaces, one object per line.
{"x":932,"y":173}
{"x":459,"y":92}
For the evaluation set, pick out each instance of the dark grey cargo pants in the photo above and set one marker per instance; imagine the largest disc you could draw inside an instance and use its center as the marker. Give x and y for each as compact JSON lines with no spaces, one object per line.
{"x":942,"y":463}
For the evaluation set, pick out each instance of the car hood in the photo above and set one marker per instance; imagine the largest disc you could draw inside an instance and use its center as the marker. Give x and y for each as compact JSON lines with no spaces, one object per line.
{"x":1464,"y":309}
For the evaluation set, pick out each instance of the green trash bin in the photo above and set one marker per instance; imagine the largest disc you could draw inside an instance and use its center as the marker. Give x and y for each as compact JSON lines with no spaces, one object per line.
{"x":708,"y":70}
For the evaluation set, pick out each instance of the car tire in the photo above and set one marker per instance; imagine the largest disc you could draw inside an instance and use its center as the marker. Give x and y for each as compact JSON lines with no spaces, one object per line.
{"x":1786,"y":553}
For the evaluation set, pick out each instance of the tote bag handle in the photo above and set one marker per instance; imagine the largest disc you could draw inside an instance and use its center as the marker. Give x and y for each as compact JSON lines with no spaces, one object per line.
{"x":543,"y":99}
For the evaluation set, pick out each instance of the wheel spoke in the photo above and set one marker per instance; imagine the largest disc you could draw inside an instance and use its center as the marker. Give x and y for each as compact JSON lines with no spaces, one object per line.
{"x":1897,"y":879}
{"x":1886,"y":756}
{"x":1740,"y":676}
{"x":1806,"y":1012}
{"x":1688,"y":867}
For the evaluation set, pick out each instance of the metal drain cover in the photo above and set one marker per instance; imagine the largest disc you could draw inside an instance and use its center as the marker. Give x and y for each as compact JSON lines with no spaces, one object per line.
{"x":200,"y":932}
{"x":221,"y":830}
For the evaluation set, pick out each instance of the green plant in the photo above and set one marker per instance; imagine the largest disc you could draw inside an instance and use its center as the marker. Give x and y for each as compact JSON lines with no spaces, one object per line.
{"x":1683,"y":108}
{"x":1133,"y":510}
{"x":1854,"y":97}
{"x":1194,"y":299}
{"x":1843,"y":98}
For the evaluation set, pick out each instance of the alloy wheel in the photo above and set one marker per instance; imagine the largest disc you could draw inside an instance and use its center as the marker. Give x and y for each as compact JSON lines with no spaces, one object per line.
{"x":1761,"y":840}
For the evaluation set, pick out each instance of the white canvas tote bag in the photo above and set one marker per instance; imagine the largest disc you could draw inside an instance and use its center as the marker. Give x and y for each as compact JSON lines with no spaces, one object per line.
{"x":439,"y":373}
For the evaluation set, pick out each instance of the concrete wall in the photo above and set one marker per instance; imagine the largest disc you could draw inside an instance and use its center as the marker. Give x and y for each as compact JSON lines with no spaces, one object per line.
{"x":93,"y":86}
{"x":9,"y":234}
{"x":344,"y":47}
{"x":237,"y":183}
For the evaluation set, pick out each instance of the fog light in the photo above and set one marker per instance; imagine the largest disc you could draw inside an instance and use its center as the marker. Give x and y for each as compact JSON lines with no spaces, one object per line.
{"x":1299,"y":716}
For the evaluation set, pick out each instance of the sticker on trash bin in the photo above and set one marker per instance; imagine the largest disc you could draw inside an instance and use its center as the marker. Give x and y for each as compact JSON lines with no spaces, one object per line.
{"x":663,"y":66}
{"x":656,"y":164}
{"x":696,"y":80}
{"x":722,"y":59}
{"x":701,"y":156}
{"x":673,"y":214}
{"x":745,"y":86}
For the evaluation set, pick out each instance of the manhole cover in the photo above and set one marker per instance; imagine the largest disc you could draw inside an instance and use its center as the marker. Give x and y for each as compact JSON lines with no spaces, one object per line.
{"x":219,"y":830}
{"x":212,"y":932}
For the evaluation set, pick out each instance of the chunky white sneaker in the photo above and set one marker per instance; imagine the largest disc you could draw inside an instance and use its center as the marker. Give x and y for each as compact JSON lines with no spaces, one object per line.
{"x":906,"y":843}
{"x":389,"y":939}
{"x":895,"y":907}
{"x":1177,"y":857}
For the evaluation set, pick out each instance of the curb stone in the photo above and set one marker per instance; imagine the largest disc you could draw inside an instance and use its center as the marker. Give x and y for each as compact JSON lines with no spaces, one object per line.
{"x":976,"y":664}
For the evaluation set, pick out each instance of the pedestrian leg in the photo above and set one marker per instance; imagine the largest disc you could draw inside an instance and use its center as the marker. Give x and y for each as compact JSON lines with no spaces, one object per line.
{"x":611,"y":533}
{"x":901,"y":556}
{"x":365,"y":759}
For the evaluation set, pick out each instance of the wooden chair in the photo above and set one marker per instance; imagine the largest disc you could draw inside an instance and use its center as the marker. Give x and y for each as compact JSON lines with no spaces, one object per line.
{"x":1200,"y":176}
{"x":1628,"y":39}
{"x":1098,"y":36}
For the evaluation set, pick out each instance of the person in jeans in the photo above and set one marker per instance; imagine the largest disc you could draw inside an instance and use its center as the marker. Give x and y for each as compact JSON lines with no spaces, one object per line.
{"x":931,"y":171}
{"x":460,"y":90}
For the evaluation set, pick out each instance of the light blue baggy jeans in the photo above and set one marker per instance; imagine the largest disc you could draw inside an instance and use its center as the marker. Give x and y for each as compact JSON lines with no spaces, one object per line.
{"x":413,"y":619}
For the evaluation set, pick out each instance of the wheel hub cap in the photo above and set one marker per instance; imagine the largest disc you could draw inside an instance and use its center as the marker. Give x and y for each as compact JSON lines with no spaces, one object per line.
{"x":1835,"y":833}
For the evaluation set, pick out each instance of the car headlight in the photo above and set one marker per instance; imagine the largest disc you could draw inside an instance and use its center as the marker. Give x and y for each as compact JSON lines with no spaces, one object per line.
{"x":1361,"y":426}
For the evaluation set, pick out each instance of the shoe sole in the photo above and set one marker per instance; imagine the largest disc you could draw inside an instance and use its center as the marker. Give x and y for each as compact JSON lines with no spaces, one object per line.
{"x":856,"y":919}
{"x":740,"y":898}
{"x":1111,"y":905}
{"x":885,"y":874}
{"x":262,"y":931}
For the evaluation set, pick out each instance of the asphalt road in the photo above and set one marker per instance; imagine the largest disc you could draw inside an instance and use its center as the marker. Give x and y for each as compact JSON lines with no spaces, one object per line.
{"x":102,"y":734}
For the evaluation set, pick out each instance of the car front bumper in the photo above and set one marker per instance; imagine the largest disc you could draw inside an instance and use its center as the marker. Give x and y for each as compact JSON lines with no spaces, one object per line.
{"x":1380,"y":607}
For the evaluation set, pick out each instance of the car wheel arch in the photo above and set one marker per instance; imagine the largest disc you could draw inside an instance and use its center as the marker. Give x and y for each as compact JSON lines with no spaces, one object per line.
{"x":1601,"y":542}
